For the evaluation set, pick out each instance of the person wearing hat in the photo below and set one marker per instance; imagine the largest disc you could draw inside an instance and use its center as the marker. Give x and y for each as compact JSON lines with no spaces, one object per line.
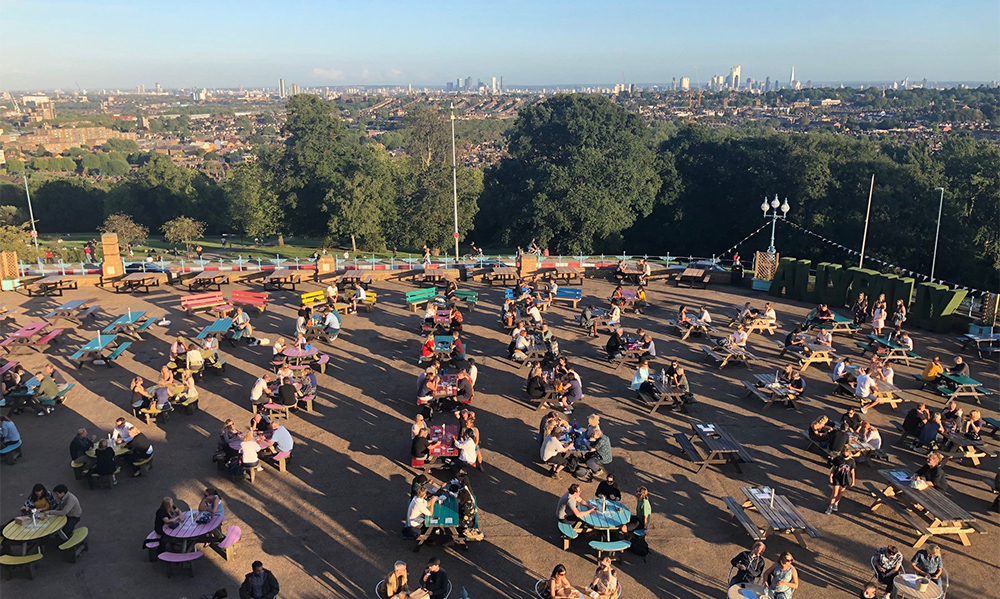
{"x":435,"y":580}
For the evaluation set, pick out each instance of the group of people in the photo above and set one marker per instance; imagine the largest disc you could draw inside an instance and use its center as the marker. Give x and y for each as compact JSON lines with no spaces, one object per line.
{"x":561,"y":382}
{"x":569,"y":447}
{"x":241,"y":451}
{"x":19,"y":389}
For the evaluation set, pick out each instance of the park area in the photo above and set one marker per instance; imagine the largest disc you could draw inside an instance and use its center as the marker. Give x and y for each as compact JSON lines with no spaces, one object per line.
{"x":733,"y":466}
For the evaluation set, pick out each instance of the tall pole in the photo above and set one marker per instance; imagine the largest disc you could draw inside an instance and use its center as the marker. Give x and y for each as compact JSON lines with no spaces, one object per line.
{"x":938,"y":231}
{"x":864,"y":238}
{"x":774,"y":223}
{"x":454,"y":177}
{"x":31,"y":213}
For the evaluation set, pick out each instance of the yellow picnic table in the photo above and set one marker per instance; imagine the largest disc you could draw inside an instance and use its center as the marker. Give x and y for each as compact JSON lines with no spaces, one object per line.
{"x":23,"y":534}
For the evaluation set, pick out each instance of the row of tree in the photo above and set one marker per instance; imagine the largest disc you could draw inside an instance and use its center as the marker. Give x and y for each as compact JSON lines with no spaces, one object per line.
{"x":581,"y":175}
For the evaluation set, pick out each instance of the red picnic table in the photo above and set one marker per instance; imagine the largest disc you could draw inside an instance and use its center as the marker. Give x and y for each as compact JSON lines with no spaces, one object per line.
{"x":25,"y":338}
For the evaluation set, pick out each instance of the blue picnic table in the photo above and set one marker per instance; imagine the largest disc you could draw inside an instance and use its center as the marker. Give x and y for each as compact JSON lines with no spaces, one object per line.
{"x":444,"y":518}
{"x":607,"y":515}
{"x":94,"y":350}
{"x":129,"y":323}
{"x":217,"y":328}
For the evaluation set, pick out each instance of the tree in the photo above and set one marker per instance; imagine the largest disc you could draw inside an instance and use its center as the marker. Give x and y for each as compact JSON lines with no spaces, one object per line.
{"x":183,"y":230}
{"x":580,"y":171}
{"x":364,"y":206}
{"x":90,"y":164}
{"x":120,"y":145}
{"x":15,"y":165}
{"x":128,"y":230}
{"x":254,"y":207}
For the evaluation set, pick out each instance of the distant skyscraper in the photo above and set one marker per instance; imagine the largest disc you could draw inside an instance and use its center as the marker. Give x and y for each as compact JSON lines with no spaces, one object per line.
{"x":295,"y":89}
{"x":468,"y":83}
{"x":685,"y":83}
{"x":767,"y":84}
{"x":281,"y":88}
{"x":791,"y":78}
{"x":458,"y":83}
{"x":673,"y":84}
{"x":449,"y":87}
{"x":734,"y":76}
{"x":493,"y":86}
{"x":501,"y":83}
{"x":159,"y":89}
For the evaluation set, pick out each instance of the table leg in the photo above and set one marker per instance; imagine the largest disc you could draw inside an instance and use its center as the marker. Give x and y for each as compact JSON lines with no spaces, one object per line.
{"x":801,"y":538}
{"x":423,"y":538}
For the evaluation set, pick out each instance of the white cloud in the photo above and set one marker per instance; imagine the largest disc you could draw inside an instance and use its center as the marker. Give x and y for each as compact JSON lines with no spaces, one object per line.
{"x":333,"y":74}
{"x":396,"y":72}
{"x":365,"y":74}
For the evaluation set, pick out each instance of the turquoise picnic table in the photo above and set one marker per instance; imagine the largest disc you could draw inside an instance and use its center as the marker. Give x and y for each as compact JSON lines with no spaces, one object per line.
{"x":130,"y":322}
{"x":839,"y":324}
{"x":216,"y":329}
{"x":894,"y":352}
{"x":962,"y":386}
{"x":94,"y":350}
{"x":445,"y":519}
{"x":607,"y":516}
{"x":442,"y":346}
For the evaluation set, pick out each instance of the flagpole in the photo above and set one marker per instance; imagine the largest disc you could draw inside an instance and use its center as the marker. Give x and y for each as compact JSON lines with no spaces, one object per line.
{"x":868,"y":213}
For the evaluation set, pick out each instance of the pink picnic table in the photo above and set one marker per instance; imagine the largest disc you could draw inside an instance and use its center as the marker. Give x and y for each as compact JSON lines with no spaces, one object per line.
{"x":23,"y":336}
{"x":189,"y":530}
{"x":297,"y":354}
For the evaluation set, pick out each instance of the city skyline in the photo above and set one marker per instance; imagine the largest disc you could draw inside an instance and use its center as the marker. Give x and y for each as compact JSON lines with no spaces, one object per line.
{"x":553,"y":43}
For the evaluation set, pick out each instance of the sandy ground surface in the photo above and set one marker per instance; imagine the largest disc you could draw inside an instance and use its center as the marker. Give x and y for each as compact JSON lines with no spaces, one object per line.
{"x":330,"y":526}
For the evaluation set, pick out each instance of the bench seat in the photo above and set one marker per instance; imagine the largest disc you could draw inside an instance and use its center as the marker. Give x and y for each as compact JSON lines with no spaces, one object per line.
{"x":568,"y":534}
{"x":740,"y":515}
{"x":184,"y":561}
{"x":612,"y":548}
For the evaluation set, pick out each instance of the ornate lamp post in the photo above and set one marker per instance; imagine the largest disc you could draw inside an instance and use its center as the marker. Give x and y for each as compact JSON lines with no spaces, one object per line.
{"x":773,"y":208}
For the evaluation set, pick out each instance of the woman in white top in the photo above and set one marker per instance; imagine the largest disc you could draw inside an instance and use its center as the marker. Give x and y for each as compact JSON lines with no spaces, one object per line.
{"x":878,"y":320}
{"x":739,"y":337}
{"x":615,"y":317}
{"x":190,"y":391}
{"x":870,"y":435}
{"x":417,"y":426}
{"x":887,"y":374}
{"x":248,"y":451}
{"x":331,"y":293}
{"x":278,"y":347}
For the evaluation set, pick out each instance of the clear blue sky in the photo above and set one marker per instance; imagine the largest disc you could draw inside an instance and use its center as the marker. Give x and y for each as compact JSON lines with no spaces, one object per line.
{"x":221,"y":43}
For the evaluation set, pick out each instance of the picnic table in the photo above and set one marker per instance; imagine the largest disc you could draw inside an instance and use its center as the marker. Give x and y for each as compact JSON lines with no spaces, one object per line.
{"x":51,"y":285}
{"x":444,"y":518}
{"x":725,"y":354}
{"x":282,"y":278}
{"x":685,"y":329}
{"x":208,"y":280}
{"x":962,"y":386}
{"x":442,"y":347}
{"x":75,"y":310}
{"x":889,"y":350}
{"x":94,"y":349}
{"x":985,"y":344}
{"x":666,"y":391}
{"x":693,"y":276}
{"x":24,"y":338}
{"x":959,"y":446}
{"x":746,"y":590}
{"x":442,"y":318}
{"x":607,"y":516}
{"x":816,"y":353}
{"x":780,"y":515}
{"x":503,"y":274}
{"x":130,"y":323}
{"x":629,"y":272}
{"x":190,"y":533}
{"x":23,"y":536}
{"x":446,"y":434}
{"x":434,"y":276}
{"x":216,"y":329}
{"x":628,"y":298}
{"x":565,"y":274}
{"x":720,"y":447}
{"x":536,"y":350}
{"x":929,"y":511}
{"x":297,"y":354}
{"x":839,"y":324}
{"x":138,"y":280}
{"x":904,"y":586}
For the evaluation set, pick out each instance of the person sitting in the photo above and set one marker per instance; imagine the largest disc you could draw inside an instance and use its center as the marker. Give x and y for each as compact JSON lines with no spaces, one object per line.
{"x":241,"y":322}
{"x":927,"y":562}
{"x":888,"y":563}
{"x":769,"y":315}
{"x":38,"y":500}
{"x":972,"y":424}
{"x":614,"y":317}
{"x":605,"y":584}
{"x":435,"y":580}
{"x":782,"y":577}
{"x":522,"y":343}
{"x":641,"y":382}
{"x":903,"y":338}
{"x":120,"y":435}
{"x":79,"y":447}
{"x":141,"y":399}
{"x":887,"y":374}
{"x":842,"y":375}
{"x":162,"y":399}
{"x":260,"y":583}
{"x":748,"y":565}
{"x":648,"y":347}
{"x":427,"y":389}
{"x":261,"y":393}
{"x":467,"y":450}
{"x":915,"y":419}
{"x":932,"y":372}
{"x":535,"y":386}
{"x":281,"y":439}
{"x":249,"y":450}
{"x":464,"y":392}
{"x":600,"y":455}
{"x":421,"y":447}
{"x":559,"y":586}
{"x":260,"y":423}
{"x":621,"y":271}
{"x":589,"y":321}
{"x":572,"y":391}
{"x":457,"y":347}
{"x":211,"y":503}
{"x":56,"y":376}
{"x":310,"y":385}
{"x":228,"y":435}
{"x":932,"y":473}
{"x":46,"y":390}
{"x":210,"y":350}
{"x":287,"y":394}
{"x":617,"y":294}
{"x":615,"y":346}
{"x":822,"y":317}
{"x":66,"y":505}
{"x":680,"y":383}
{"x":278,"y":348}
{"x":865,"y":388}
{"x":951,"y":414}
{"x":450,"y":288}
{"x":331,"y":294}
{"x":105,"y":463}
{"x":568,"y":510}
{"x":824,"y":337}
{"x":683,"y":320}
{"x":930,"y":432}
{"x":795,"y":341}
{"x":331,"y":322}
{"x":456,"y":319}
{"x":820,"y":433}
{"x":851,"y":421}
{"x":507,"y":313}
{"x":359,"y":297}
{"x":417,"y":512}
{"x":739,"y":338}
{"x":640,"y":518}
{"x":555,"y":453}
{"x":301,"y":320}
{"x":178,"y":348}
{"x":430,"y":313}
{"x":167,"y":515}
{"x":641,"y":300}
{"x":139,"y":449}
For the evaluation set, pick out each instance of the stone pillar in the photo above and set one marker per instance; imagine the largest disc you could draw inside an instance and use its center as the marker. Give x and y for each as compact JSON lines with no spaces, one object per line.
{"x":326,"y":266}
{"x":112,"y":267}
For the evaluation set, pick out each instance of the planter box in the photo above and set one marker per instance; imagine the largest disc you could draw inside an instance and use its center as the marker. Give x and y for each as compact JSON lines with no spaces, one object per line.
{"x":10,"y":284}
{"x":759,"y":285}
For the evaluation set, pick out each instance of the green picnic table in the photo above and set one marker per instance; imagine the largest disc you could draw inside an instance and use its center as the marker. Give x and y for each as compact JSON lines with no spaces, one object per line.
{"x":444,"y":518}
{"x":962,"y":386}
{"x":216,"y":329}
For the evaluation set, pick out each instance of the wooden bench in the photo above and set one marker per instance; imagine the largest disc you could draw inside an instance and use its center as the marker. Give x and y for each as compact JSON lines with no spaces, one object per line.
{"x":11,"y":452}
{"x":281,"y":460}
{"x":568,"y":533}
{"x":692,"y":451}
{"x":97,"y":481}
{"x":570,"y":296}
{"x":471,"y":298}
{"x":228,"y":545}
{"x":313,"y":298}
{"x":371,"y":298}
{"x":144,"y":466}
{"x":821,"y":450}
{"x":76,"y":544}
{"x":182,"y":561}
{"x":613,"y":548}
{"x":59,"y":398}
{"x":740,"y":515}
{"x":277,"y":410}
{"x":152,"y":413}
{"x":12,"y":564}
{"x":249,"y":298}
{"x":756,"y":392}
{"x":49,"y":338}
{"x":421,"y":296}
{"x":202,"y":301}
{"x":189,"y":404}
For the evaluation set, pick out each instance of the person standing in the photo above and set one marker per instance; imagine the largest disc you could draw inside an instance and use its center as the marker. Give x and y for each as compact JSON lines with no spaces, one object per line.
{"x":749,"y":564}
{"x":67,"y":505}
{"x":259,"y":584}
{"x":842,"y":477}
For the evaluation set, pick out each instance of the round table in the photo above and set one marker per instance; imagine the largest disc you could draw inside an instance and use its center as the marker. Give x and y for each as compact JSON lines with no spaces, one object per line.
{"x":297,"y":354}
{"x":120,"y":450}
{"x":904,"y":586}
{"x":15,"y":532}
{"x":189,"y":530}
{"x":613,"y":516}
{"x":741,"y":590}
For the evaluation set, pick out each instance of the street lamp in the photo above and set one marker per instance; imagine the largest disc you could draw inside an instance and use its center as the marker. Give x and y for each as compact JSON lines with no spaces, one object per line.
{"x":454,"y":177}
{"x":938,"y":231}
{"x":773,"y":207}
{"x":31,"y":213}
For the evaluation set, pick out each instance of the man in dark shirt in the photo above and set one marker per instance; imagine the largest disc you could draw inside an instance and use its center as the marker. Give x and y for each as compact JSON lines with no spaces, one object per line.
{"x":421,"y":447}
{"x":464,"y":390}
{"x":915,"y":419}
{"x":139,"y":449}
{"x":795,"y":340}
{"x":287,"y":393}
{"x":79,"y":447}
{"x":933,"y":473}
{"x":615,"y":345}
{"x":435,"y":580}
{"x":960,"y":367}
{"x":748,"y":565}
{"x":851,"y":421}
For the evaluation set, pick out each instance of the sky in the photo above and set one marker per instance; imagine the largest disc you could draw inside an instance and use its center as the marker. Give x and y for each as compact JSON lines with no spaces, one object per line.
{"x":48,"y":44}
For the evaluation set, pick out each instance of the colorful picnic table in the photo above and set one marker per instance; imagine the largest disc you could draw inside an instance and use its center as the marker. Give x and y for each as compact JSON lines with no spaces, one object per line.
{"x":607,"y":516}
{"x":94,"y":349}
{"x":217,"y":329}
{"x":839,"y":324}
{"x":190,"y":532}
{"x":442,"y":346}
{"x":51,"y":285}
{"x":446,"y":434}
{"x":23,"y":535}
{"x":963,"y":386}
{"x":129,"y":323}
{"x":893,"y":352}
{"x":444,"y":518}
{"x":23,"y":337}
{"x":297,"y":354}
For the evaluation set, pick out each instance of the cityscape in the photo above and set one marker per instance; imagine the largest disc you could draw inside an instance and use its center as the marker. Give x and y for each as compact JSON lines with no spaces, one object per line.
{"x":534,"y":300}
